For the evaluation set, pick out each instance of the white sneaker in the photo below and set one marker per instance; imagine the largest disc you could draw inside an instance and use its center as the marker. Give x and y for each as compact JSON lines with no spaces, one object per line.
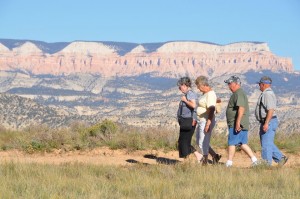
{"x":228,"y":164}
{"x":256,"y":163}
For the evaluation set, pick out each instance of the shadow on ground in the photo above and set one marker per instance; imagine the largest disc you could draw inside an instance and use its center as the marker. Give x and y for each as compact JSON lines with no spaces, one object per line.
{"x":160,"y":160}
{"x":136,"y":162}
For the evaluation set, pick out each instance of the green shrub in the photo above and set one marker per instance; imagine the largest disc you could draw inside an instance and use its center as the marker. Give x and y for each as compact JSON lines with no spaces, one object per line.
{"x":80,"y":136}
{"x":106,"y":129}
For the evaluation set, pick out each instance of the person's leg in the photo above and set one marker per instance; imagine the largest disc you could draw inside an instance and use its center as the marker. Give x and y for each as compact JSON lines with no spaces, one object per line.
{"x":232,"y":141}
{"x":243,"y":136}
{"x":267,"y":139}
{"x":190,"y":136}
{"x":206,"y":140}
{"x":247,"y":150}
{"x":276,"y":153}
{"x":197,"y":154}
{"x":183,"y":146}
{"x":215,"y":157}
{"x":231,"y":152}
{"x":200,"y":135}
{"x":212,"y":152}
{"x":187,"y":144}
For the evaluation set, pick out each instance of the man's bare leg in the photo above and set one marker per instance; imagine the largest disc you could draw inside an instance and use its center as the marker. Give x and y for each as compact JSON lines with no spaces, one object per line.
{"x":231,"y":152}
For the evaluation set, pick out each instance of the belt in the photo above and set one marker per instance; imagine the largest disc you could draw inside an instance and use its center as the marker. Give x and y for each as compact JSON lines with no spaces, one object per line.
{"x":264,"y":119}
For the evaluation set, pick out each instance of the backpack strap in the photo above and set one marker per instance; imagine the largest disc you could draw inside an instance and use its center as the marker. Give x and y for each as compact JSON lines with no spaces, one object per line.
{"x":261,"y":105}
{"x":181,"y":106}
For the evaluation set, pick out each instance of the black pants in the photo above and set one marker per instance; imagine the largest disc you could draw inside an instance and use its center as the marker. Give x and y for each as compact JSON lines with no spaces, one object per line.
{"x":184,"y":143}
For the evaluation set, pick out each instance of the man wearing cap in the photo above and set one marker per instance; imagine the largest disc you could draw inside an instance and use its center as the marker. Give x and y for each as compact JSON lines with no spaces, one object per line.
{"x":237,"y":115}
{"x":265,"y":114}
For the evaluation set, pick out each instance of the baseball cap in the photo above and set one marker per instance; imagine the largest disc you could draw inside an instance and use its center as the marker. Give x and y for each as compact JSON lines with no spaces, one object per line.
{"x":233,"y":79}
{"x":265,"y":80}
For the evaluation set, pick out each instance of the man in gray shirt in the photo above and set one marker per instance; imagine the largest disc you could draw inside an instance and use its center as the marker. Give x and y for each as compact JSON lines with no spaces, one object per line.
{"x":265,"y":114}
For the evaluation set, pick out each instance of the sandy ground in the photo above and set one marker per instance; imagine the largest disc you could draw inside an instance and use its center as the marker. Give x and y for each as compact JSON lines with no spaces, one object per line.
{"x":105,"y":156}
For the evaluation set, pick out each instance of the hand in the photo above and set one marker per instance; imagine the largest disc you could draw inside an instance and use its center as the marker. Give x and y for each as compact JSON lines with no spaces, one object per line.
{"x":265,"y":127}
{"x":206,"y":129}
{"x":194,"y":123}
{"x":238,"y":127}
{"x":183,"y":98}
{"x":207,"y":126}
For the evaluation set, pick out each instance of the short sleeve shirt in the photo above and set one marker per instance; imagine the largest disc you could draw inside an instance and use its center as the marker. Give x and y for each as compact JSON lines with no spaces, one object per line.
{"x":187,"y":111}
{"x":205,"y":101}
{"x":268,"y":100}
{"x":238,"y":99}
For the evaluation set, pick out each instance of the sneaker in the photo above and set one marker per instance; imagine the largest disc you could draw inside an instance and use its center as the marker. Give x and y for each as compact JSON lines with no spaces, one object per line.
{"x":260,"y":164}
{"x":283,"y":160}
{"x":204,"y":161}
{"x":228,"y":164}
{"x":216,"y":158}
{"x":254,"y":164}
{"x":200,"y":161}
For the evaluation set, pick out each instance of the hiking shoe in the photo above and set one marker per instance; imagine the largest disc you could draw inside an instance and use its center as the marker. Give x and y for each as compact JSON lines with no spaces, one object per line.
{"x":228,"y":164}
{"x":254,"y":164}
{"x":204,"y":162}
{"x":200,"y":161}
{"x":216,"y":158}
{"x":260,"y":164}
{"x":283,"y":160}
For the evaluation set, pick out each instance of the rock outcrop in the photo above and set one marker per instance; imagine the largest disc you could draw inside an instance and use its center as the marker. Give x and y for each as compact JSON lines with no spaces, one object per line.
{"x":170,"y":59}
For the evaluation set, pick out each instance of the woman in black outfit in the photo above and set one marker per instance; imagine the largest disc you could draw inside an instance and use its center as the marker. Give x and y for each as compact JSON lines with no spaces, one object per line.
{"x":186,"y":110}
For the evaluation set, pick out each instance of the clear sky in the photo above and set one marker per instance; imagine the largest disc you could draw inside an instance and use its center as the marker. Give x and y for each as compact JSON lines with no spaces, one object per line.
{"x":276,"y":22}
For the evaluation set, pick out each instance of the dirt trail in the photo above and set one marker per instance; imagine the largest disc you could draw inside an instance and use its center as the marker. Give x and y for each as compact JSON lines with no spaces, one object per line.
{"x":105,"y":156}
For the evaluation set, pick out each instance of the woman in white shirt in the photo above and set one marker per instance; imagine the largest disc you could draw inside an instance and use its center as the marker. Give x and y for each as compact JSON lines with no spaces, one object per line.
{"x":206,"y":119}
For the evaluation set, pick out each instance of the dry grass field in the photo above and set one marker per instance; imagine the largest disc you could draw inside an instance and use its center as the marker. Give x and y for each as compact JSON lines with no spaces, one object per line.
{"x":105,"y":173}
{"x":122,"y":157}
{"x":110,"y":161}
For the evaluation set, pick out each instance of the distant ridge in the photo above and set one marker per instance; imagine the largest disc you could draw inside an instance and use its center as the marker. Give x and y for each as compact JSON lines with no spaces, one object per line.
{"x":50,"y":48}
{"x":123,"y":47}
{"x":165,"y":59}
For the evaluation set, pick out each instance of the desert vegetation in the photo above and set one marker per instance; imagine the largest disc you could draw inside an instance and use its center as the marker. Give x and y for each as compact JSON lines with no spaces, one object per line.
{"x":80,"y":136}
{"x":140,"y":181}
{"x":183,"y":180}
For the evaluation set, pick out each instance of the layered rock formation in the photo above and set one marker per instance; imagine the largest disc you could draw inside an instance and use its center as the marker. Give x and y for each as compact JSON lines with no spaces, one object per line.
{"x":169,"y":59}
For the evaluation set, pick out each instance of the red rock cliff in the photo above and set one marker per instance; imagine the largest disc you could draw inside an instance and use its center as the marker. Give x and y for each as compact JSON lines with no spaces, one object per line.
{"x":169,"y":59}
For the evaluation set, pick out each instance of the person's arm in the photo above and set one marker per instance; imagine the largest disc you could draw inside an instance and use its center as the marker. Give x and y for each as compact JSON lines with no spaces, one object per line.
{"x":270,"y":104}
{"x":210,"y":112}
{"x":268,"y":118}
{"x":241,"y":111}
{"x":190,"y":103}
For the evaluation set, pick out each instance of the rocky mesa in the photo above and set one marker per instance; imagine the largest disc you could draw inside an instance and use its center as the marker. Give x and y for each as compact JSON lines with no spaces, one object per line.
{"x":169,"y":59}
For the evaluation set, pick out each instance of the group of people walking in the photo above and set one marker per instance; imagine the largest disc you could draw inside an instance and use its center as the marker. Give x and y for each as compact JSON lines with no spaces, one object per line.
{"x":198,"y":114}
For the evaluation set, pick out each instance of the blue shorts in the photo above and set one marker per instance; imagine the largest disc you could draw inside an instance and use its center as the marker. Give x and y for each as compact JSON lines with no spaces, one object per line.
{"x":237,"y":138}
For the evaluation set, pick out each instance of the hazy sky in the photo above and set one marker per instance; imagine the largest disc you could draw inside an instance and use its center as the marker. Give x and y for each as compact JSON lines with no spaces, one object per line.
{"x":276,"y":22}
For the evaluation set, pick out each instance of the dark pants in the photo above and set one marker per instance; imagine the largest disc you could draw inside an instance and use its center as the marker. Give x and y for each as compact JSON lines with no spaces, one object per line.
{"x":184,"y":143}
